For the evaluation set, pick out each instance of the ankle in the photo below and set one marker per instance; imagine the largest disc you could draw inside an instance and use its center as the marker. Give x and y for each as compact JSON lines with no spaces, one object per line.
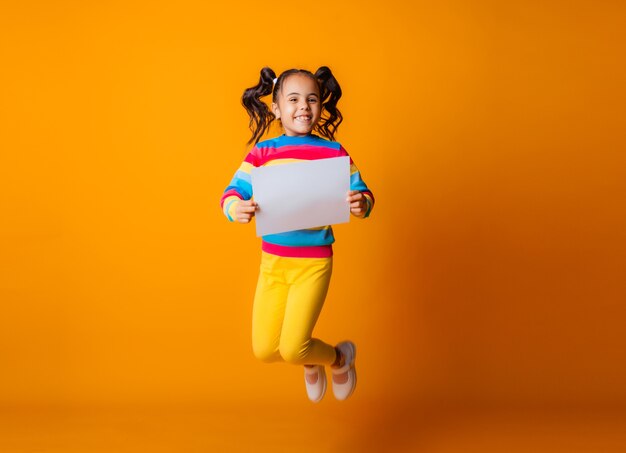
{"x":339,"y":360}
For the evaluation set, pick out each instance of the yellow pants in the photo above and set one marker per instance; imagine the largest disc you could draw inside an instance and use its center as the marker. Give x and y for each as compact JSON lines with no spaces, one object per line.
{"x":289,"y":296}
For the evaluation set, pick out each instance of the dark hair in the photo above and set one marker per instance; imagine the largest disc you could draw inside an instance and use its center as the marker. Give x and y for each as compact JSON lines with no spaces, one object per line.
{"x":261,"y":117}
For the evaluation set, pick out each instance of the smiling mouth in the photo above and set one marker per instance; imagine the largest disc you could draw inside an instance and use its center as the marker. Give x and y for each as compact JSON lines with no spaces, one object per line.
{"x":303,"y":118}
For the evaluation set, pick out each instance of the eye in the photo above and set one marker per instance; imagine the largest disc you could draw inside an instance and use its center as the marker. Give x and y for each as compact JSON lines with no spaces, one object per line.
{"x":293,"y":100}
{"x":313,"y":100}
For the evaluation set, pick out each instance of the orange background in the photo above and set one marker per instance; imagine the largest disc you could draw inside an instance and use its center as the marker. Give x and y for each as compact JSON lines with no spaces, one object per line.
{"x":490,"y":274}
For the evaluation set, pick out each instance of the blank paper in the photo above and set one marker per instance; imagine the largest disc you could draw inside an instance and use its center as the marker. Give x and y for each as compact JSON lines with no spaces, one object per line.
{"x":301,"y":195}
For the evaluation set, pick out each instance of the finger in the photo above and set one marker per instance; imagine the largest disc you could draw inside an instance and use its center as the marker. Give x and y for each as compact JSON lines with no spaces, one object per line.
{"x":358,"y":196}
{"x":351,"y":194}
{"x":355,"y":204}
{"x":246,"y":208}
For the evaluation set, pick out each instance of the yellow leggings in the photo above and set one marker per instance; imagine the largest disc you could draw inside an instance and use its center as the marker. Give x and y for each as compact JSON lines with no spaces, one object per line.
{"x":289,"y":296}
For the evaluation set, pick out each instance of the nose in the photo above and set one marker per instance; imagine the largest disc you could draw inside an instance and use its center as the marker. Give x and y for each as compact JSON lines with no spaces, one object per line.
{"x":305,"y":105}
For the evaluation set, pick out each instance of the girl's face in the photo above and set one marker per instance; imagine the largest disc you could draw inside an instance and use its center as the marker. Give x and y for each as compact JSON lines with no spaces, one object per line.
{"x":298,"y":105}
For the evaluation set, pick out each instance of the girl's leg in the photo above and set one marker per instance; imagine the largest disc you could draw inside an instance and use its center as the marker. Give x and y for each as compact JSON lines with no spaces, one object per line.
{"x":269,"y":309}
{"x":309,"y":279}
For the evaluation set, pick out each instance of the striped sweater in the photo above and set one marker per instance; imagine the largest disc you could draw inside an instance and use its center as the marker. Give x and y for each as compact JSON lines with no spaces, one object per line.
{"x":308,"y":243}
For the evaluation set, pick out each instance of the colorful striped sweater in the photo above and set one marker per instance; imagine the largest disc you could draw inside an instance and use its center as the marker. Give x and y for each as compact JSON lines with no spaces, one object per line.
{"x":308,"y":243}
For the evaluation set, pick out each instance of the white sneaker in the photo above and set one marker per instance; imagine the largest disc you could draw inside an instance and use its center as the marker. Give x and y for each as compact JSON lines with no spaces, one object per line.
{"x":343,"y":391}
{"x":316,"y":391}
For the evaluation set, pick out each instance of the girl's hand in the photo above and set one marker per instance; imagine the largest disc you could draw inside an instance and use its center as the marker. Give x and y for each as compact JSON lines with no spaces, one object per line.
{"x":245,"y":210}
{"x":358,"y":203}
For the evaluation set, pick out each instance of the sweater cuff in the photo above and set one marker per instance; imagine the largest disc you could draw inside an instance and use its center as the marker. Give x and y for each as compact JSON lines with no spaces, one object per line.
{"x":370,"y":205}
{"x":230,"y":205}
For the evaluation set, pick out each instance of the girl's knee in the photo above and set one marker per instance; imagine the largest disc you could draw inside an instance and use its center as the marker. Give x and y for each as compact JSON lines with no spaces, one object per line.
{"x":265,"y":352}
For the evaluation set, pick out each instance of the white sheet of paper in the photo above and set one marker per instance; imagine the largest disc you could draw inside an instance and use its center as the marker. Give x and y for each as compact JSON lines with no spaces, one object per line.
{"x":301,"y":195}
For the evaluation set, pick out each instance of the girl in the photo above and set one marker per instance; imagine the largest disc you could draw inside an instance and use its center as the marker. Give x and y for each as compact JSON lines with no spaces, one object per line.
{"x":296,"y":266}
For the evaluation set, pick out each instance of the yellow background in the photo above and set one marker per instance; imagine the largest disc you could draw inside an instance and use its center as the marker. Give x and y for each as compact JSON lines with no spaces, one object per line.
{"x":491,"y":273}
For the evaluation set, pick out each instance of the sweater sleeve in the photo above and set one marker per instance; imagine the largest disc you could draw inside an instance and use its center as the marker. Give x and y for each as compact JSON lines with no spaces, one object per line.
{"x":357,"y":183}
{"x":240,"y":188}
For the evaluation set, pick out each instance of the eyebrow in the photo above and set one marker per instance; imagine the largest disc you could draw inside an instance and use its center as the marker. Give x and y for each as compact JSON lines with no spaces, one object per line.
{"x":310,"y":94}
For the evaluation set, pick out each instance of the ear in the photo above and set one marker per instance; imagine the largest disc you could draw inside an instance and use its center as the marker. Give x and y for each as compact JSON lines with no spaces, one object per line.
{"x":276,"y":110}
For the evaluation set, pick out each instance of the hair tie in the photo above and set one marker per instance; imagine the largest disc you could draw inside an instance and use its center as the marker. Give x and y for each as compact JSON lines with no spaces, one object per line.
{"x":275,"y":80}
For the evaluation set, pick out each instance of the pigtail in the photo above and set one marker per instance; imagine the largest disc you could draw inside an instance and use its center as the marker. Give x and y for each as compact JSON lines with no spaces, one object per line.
{"x":260,"y":115}
{"x":330,"y":93}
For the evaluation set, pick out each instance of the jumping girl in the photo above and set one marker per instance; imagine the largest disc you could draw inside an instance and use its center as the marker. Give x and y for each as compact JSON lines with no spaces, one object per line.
{"x":296,"y":266}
